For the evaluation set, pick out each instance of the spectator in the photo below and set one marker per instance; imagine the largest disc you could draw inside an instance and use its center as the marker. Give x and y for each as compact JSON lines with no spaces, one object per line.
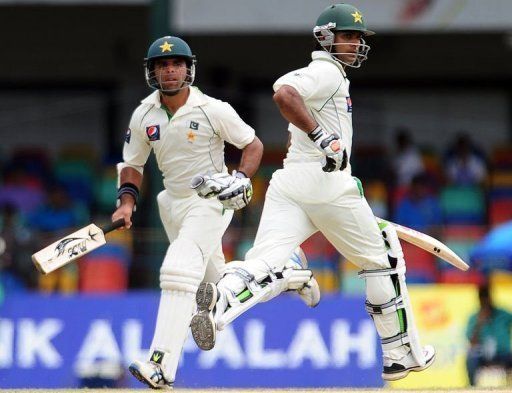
{"x":407,"y":161}
{"x":420,"y":208}
{"x":15,"y":250}
{"x":18,"y":191}
{"x":57,"y":217}
{"x":488,"y":332}
{"x":59,"y":213}
{"x":464,"y":166}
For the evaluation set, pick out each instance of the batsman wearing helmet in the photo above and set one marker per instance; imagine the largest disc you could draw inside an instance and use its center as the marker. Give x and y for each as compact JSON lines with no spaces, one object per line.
{"x":315,"y":191}
{"x":186,"y":130}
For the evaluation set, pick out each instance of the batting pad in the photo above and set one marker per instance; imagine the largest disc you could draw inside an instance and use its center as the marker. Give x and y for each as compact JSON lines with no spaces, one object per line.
{"x":181,"y":273}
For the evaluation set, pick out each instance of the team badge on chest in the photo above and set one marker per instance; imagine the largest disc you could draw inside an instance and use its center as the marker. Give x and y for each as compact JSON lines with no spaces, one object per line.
{"x":153,"y":133}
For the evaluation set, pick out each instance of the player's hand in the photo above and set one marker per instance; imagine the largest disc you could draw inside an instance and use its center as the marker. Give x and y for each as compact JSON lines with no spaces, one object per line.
{"x":209,"y":186}
{"x":331,"y":145}
{"x":125,"y":212}
{"x":238,"y":194}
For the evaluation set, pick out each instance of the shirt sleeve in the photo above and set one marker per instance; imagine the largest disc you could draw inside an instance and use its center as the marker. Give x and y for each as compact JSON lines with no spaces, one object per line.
{"x":136,"y":147}
{"x":229,"y":125}
{"x":316,"y":83}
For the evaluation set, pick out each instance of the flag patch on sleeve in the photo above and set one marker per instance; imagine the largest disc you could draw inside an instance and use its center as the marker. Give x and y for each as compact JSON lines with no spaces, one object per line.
{"x":349,"y":104}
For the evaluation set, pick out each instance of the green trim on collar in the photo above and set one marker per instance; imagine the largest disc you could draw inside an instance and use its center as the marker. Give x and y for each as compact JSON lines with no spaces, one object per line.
{"x":169,"y":113}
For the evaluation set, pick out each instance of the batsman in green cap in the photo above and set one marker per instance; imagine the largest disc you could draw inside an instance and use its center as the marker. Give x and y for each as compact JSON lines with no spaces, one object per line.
{"x":186,"y":130}
{"x":315,"y":191}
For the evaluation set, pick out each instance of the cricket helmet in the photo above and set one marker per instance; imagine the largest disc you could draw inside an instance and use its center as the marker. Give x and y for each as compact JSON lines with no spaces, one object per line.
{"x":169,"y":47}
{"x":342,"y":17}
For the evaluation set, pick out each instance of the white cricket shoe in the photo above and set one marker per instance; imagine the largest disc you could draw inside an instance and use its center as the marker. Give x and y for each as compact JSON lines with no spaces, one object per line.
{"x":150,"y":373}
{"x":309,"y":292}
{"x":398,"y":369}
{"x":202,"y":324}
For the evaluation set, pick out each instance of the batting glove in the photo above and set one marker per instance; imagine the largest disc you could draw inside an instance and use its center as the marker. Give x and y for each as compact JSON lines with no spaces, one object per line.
{"x":332,"y":146}
{"x":238,"y":194}
{"x":209,"y":186}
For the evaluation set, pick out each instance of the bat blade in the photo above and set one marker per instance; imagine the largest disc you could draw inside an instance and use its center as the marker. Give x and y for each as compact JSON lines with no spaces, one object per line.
{"x":429,"y":244}
{"x":68,"y":248}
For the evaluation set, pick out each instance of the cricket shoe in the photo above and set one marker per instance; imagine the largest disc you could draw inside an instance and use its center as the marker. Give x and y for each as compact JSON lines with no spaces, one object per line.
{"x":398,"y":369}
{"x":150,"y":373}
{"x":203,"y":324}
{"x":309,"y":291}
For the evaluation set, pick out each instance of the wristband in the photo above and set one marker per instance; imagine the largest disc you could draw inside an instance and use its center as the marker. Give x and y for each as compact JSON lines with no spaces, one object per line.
{"x":128,"y":188}
{"x":316,"y":134}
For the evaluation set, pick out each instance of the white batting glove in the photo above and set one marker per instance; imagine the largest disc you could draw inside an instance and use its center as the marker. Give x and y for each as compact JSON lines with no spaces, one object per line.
{"x":238,"y":194}
{"x":332,"y":146}
{"x":209,"y":186}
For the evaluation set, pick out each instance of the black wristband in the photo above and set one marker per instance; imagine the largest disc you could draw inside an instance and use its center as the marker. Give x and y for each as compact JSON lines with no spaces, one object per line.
{"x":316,"y":133}
{"x":128,"y":188}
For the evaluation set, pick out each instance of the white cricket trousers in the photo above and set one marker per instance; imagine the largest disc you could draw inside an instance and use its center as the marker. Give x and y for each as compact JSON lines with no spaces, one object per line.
{"x":203,"y":221}
{"x":195,"y":228}
{"x":301,"y":200}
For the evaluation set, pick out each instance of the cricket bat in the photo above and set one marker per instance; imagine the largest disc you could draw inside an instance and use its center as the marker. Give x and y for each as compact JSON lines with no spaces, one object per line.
{"x":429,"y":244}
{"x":72,"y":246}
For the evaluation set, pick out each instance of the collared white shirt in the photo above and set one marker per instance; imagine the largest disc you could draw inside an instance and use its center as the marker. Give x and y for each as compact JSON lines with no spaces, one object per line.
{"x":189,"y":143}
{"x":324,"y":87}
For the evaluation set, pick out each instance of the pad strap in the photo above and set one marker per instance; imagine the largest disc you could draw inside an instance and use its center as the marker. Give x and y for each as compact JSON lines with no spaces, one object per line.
{"x":386,"y":308}
{"x":389,"y":343}
{"x":247,"y":278}
{"x":379,"y":272}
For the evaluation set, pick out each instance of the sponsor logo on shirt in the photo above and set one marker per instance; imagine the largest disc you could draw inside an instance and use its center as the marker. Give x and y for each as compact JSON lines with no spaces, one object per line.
{"x":153,"y":133}
{"x":349,"y":104}
{"x":128,"y":136}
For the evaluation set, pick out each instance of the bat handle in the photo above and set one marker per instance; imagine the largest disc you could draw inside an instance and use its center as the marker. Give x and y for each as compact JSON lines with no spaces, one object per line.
{"x":113,"y":225}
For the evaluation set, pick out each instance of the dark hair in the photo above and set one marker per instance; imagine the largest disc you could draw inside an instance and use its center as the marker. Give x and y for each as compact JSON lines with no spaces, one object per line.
{"x":484,"y":292}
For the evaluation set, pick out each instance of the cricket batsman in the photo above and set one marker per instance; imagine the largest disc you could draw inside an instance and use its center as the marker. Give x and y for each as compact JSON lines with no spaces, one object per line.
{"x":186,"y":130}
{"x":315,"y":191}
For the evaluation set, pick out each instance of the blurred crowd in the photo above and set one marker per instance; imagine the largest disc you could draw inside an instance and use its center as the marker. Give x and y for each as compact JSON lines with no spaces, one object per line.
{"x":456,"y":196}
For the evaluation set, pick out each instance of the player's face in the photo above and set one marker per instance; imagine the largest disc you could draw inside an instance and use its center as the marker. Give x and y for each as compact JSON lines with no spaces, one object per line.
{"x":346,"y":45}
{"x":171,"y":73}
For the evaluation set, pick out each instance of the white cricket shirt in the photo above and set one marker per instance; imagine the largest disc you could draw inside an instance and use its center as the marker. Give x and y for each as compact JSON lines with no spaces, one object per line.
{"x":188,"y":144}
{"x":324,"y":87}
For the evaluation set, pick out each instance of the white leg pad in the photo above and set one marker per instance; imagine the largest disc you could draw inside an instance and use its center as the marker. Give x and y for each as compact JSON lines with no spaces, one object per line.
{"x":244,"y":285}
{"x":389,"y":306}
{"x":181,"y":273}
{"x":248,"y":283}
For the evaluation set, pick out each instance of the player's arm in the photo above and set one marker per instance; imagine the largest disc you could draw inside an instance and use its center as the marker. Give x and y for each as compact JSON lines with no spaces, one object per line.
{"x":130,"y":180}
{"x":233,"y":191}
{"x":136,"y":151}
{"x":251,"y":157}
{"x":292,"y":108}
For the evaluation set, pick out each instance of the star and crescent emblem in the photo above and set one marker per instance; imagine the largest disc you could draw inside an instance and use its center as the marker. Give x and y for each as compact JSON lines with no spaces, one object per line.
{"x":358,"y":17}
{"x":166,"y":47}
